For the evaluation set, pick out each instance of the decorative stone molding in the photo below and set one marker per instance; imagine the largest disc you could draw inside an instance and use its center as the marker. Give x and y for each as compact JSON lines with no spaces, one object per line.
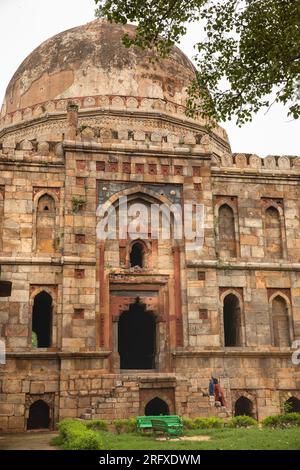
{"x":283,"y":163}
{"x":269,"y":162}
{"x":255,"y":161}
{"x":102,"y":101}
{"x":241,"y":161}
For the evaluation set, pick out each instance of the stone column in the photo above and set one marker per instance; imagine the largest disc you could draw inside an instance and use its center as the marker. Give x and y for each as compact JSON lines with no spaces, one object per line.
{"x":178,"y":300}
{"x":72,"y":120}
{"x":102,"y":321}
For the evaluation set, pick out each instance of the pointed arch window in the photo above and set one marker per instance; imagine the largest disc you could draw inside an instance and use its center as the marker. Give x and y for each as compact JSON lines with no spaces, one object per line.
{"x":137,"y":254}
{"x":42,"y":320}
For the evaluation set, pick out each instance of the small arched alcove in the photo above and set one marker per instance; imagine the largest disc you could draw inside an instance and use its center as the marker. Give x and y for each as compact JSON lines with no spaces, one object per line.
{"x":42,"y":319}
{"x":273,"y":235}
{"x":243,"y":407}
{"x":156,"y":407}
{"x":45,"y":224}
{"x":39,"y":415}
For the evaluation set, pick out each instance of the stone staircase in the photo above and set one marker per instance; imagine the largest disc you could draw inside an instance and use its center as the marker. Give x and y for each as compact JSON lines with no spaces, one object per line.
{"x":211,"y":407}
{"x":220,"y":411}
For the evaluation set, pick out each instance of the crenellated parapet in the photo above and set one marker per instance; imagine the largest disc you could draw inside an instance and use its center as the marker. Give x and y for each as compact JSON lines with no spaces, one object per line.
{"x":254,"y":163}
{"x":104,"y":102}
{"x":31,"y":151}
{"x":42,"y":137}
{"x":105,"y":119}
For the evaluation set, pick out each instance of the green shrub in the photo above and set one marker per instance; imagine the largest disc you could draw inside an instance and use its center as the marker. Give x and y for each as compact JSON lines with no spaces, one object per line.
{"x":284,"y":420}
{"x":87,"y":441}
{"x":188,"y":423}
{"x":75,"y":436}
{"x":97,"y":425}
{"x":125,"y":425}
{"x":287,"y":407}
{"x":242,"y":422}
{"x":209,"y":423}
{"x":69,"y":428}
{"x":78,"y":203}
{"x":34,"y":340}
{"x":56,"y":441}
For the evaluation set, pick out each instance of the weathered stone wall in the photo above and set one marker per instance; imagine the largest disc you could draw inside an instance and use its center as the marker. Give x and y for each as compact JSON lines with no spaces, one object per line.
{"x":57,"y":163}
{"x":25,"y":379}
{"x":71,"y":272}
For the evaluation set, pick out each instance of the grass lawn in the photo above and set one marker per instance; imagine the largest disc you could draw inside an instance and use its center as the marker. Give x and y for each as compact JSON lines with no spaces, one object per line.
{"x":221,"y":439}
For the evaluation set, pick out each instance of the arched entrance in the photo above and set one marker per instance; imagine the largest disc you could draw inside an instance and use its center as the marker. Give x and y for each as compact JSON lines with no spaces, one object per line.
{"x":243,"y":407}
{"x":137,"y":338}
{"x":292,"y":405}
{"x":42,"y":319}
{"x":39,"y":415}
{"x":156,"y":407}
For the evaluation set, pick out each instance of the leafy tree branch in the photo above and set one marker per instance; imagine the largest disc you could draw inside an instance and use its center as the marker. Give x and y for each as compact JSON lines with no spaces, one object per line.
{"x":247,"y":56}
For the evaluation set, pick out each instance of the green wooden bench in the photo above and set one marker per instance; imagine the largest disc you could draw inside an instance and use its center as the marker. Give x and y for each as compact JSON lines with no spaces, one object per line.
{"x":173,"y":421}
{"x":171,"y":428}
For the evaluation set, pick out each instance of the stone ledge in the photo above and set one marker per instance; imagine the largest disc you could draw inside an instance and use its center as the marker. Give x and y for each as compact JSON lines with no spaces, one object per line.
{"x":244,"y":265}
{"x":57,"y":354}
{"x":95,"y":147}
{"x":290,"y":175}
{"x":159,"y":377}
{"x":60,"y":115}
{"x":232,"y":353}
{"x":47,"y":260}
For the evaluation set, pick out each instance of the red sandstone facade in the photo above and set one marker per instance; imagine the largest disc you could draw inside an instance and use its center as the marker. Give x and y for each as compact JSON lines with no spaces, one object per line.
{"x":104,"y":329}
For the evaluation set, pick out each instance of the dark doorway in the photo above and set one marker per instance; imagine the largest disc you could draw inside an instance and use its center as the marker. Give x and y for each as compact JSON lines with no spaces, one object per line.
{"x":39,"y":415}
{"x":232,"y":321}
{"x":42,"y":319}
{"x":292,"y":405}
{"x":136,"y":338}
{"x":137,"y":255}
{"x":243,"y":407}
{"x":156,"y":407}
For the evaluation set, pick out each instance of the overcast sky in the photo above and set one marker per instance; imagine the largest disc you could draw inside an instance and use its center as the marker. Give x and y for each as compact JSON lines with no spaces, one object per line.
{"x":27,"y":23}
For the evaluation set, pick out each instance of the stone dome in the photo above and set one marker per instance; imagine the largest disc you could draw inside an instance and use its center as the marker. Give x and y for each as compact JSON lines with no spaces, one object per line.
{"x":91,"y":62}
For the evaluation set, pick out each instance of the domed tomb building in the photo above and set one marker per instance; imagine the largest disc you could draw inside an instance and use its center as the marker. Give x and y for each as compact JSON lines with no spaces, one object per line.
{"x":119,"y":327}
